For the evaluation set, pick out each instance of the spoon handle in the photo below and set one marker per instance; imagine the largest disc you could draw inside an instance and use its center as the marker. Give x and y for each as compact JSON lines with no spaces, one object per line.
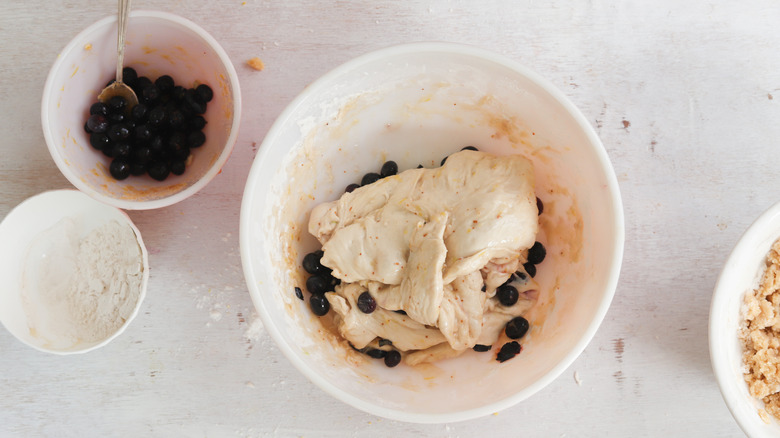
{"x":124,"y":11}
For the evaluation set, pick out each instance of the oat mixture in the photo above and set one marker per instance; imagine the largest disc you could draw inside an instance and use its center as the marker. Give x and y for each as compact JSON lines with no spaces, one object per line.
{"x":760,"y":332}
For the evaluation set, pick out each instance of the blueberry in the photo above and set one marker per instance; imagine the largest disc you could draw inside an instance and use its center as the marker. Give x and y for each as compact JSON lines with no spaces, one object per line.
{"x":118,"y":132}
{"x":129,"y":76}
{"x":298,"y":293}
{"x":521,"y":276}
{"x":156,"y":144}
{"x":178,"y":93}
{"x":116,"y":117}
{"x":119,"y":168}
{"x":137,"y":168}
{"x":204,"y":92}
{"x":370,"y":178}
{"x":150,"y":94}
{"x":377,"y":353}
{"x":507,"y":295}
{"x":484,"y":287}
{"x":180,"y":152}
{"x":482,"y":348}
{"x":191,"y":102}
{"x":141,"y":83}
{"x":196,"y":123}
{"x":142,"y":133}
{"x":158,"y":170}
{"x":196,"y":139}
{"x":419,"y":166}
{"x":121,"y":150}
{"x":383,"y":342}
{"x":98,"y":108}
{"x":400,"y":312}
{"x":176,"y":119}
{"x":508,"y":351}
{"x":108,"y":149}
{"x":178,"y":167}
{"x":312,"y":263}
{"x":319,"y":305}
{"x":318,"y":284}
{"x":392,"y":358}
{"x":516,"y":328}
{"x":99,"y":141}
{"x":388,"y":169}
{"x":139,"y":112}
{"x":351,"y":188}
{"x":530,"y":268}
{"x":539,"y":205}
{"x":157,"y":116}
{"x":537,"y":253}
{"x":366,"y":303}
{"x":117,"y":104}
{"x":469,"y":148}
{"x":444,"y":160}
{"x":164,"y":83}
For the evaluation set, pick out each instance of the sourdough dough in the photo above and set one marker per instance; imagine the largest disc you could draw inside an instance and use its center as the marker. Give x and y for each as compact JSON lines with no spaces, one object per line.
{"x":434,"y":243}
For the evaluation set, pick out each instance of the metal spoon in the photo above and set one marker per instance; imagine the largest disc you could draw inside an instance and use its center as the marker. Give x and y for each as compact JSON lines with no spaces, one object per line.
{"x":119,"y":88}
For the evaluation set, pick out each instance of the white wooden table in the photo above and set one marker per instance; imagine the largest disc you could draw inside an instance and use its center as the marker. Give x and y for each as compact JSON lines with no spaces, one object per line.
{"x":685,"y":96}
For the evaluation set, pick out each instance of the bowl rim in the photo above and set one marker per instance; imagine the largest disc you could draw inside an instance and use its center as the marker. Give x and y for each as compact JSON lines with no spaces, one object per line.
{"x":718,"y":351}
{"x":471,"y":52}
{"x":215,"y":168}
{"x":144,"y":262}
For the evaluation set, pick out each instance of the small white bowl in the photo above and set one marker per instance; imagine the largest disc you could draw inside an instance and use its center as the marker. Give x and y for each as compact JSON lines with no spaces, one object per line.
{"x":741,"y":274}
{"x":158,"y":43}
{"x":416,"y":104}
{"x":20,"y":246}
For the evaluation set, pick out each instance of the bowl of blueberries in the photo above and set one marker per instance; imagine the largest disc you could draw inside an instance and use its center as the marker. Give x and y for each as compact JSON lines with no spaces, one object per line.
{"x":431,"y":232}
{"x":167,"y":146}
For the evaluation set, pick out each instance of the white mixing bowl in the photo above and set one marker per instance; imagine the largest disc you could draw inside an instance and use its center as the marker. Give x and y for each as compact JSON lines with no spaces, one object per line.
{"x":741,"y":274}
{"x":158,"y":43}
{"x":417,"y":104}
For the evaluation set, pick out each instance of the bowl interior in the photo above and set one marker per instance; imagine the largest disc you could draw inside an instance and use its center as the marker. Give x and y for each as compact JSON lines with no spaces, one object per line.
{"x":741,"y":274}
{"x":157,"y":44}
{"x":18,"y":236}
{"x":416,"y":104}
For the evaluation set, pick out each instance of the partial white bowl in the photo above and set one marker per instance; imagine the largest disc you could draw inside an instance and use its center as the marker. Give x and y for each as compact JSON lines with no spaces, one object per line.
{"x":32,"y":232}
{"x":158,"y":43}
{"x":741,"y":274}
{"x":416,"y":104}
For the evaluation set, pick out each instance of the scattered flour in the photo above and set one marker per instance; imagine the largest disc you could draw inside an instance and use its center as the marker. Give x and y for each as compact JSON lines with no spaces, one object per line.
{"x":256,"y":330}
{"x":81,"y":290}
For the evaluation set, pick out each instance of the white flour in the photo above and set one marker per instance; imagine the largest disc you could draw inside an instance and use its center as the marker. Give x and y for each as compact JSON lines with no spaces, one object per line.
{"x":81,"y":291}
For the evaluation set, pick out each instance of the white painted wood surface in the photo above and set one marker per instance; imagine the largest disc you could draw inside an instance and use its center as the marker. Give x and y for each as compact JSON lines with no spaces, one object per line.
{"x":685,"y":96}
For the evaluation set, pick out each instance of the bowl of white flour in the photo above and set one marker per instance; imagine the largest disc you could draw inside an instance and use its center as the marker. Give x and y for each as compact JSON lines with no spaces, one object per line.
{"x":75,"y":272}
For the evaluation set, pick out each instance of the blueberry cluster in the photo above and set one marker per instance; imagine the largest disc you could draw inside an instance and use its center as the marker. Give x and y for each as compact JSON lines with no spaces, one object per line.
{"x":508,"y":295}
{"x":318,"y":283}
{"x":155,"y":136}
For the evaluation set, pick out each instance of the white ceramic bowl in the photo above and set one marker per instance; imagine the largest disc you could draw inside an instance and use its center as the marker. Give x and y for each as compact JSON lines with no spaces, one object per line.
{"x":30,"y":235}
{"x":416,"y":104}
{"x":158,"y":43}
{"x":741,"y":274}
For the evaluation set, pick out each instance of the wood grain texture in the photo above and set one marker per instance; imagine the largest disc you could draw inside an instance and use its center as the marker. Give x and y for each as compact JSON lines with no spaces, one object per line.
{"x":684,"y":95}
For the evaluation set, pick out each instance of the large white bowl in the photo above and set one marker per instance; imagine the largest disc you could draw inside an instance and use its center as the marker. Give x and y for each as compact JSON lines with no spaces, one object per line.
{"x":741,"y":274}
{"x":416,"y":104}
{"x":158,"y":43}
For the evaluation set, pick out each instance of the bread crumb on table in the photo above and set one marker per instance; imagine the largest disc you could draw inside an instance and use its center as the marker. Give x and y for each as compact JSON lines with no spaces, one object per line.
{"x":760,"y":333}
{"x":256,"y":63}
